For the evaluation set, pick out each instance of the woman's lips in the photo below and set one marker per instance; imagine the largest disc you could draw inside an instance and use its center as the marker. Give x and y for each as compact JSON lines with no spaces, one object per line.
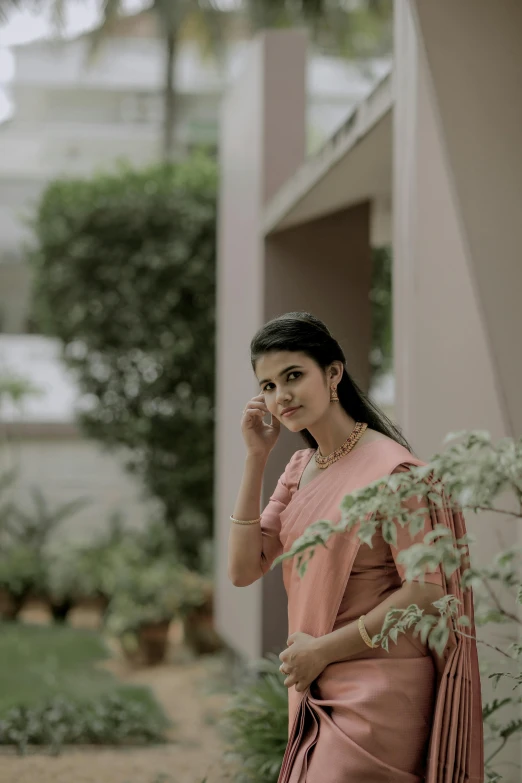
{"x":294,"y":410}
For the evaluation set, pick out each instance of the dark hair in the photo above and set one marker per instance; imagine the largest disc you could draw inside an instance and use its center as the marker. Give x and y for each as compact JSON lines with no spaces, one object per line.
{"x":300,"y":331}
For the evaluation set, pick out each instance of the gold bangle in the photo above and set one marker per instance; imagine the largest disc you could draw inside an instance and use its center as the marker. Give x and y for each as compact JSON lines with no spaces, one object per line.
{"x":364,"y":632}
{"x":245,"y":521}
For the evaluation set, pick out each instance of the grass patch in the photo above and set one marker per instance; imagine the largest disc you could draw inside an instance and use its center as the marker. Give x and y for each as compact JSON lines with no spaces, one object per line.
{"x":39,"y":664}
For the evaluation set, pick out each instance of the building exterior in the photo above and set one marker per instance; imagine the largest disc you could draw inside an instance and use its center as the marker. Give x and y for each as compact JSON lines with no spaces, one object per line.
{"x":431,"y":161}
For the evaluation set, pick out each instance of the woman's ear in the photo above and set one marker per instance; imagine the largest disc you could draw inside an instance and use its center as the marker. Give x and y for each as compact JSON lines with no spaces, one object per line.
{"x":337,"y":371}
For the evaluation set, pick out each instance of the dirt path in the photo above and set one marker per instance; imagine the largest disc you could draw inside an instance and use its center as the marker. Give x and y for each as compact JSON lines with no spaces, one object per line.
{"x":195,"y":752}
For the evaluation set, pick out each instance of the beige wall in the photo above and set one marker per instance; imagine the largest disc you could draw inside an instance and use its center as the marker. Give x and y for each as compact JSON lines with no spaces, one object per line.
{"x":68,"y":466}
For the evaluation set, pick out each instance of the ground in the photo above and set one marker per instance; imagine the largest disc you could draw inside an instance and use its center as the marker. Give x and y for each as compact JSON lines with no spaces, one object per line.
{"x":185,"y":688}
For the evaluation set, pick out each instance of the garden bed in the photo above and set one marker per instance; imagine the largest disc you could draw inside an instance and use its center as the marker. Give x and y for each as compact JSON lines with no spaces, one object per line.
{"x":193,"y":749}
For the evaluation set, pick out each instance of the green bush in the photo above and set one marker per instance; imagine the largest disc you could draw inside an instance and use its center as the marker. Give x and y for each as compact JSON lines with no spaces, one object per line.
{"x":381,"y":354}
{"x":109,"y":720}
{"x":25,"y":534}
{"x":256,"y":724}
{"x":54,"y":690}
{"x":124,"y":275}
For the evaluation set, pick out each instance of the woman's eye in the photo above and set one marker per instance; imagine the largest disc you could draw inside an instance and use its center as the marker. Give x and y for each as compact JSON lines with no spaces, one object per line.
{"x":294,"y":372}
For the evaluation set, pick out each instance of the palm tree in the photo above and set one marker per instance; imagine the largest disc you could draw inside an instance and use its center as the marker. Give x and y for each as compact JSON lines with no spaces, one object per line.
{"x":173,"y":17}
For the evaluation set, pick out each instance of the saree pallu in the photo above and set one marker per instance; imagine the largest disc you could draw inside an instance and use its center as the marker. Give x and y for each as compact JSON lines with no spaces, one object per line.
{"x":373,"y":719}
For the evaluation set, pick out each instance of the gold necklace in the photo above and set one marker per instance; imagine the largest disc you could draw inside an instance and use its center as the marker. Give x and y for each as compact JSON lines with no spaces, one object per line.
{"x":355,"y":435}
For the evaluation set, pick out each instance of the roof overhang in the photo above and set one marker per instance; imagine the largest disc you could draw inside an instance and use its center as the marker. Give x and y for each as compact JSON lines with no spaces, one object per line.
{"x":354,"y":166}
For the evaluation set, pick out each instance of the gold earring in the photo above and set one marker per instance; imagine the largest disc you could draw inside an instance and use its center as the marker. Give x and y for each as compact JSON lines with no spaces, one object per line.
{"x":333,"y":395}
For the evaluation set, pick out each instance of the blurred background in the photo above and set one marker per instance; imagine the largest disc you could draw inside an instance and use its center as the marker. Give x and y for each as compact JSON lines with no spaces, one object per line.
{"x":172,"y":175}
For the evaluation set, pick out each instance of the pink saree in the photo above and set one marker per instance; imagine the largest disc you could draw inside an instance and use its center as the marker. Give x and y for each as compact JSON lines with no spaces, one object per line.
{"x":406,"y":716}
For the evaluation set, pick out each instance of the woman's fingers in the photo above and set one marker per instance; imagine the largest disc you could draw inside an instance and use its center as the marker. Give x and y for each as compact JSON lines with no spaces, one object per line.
{"x":254,"y":405}
{"x":255,"y":412}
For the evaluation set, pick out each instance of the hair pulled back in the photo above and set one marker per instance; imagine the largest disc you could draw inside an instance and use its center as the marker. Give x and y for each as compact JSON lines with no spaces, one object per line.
{"x":303,"y":332}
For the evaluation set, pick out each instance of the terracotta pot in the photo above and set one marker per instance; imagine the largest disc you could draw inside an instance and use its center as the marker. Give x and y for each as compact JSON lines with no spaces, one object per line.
{"x":199,"y":630}
{"x":97,"y":603}
{"x":153,"y":642}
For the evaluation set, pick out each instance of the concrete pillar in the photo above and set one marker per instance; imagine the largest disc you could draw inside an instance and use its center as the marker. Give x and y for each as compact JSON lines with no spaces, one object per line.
{"x":262,"y":144}
{"x":445,"y":368}
{"x":473,"y":53}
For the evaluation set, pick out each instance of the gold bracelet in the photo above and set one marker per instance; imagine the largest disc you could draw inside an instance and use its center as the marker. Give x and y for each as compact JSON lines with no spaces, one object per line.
{"x":245,"y":521}
{"x":364,"y":632}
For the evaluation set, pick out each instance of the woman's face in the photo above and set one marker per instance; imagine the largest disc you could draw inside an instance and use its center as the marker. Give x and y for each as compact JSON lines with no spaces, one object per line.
{"x":291,"y":379}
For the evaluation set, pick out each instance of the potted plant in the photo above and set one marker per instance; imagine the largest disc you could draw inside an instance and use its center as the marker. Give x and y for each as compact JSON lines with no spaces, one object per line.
{"x":69,"y":577}
{"x":197,"y":611}
{"x":144,"y":600}
{"x":22,"y":572}
{"x":26,"y":534}
{"x":80,"y":572}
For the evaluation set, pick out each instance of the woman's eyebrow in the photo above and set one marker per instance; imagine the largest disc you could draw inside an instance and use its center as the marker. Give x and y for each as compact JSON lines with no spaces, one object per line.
{"x":287,"y":369}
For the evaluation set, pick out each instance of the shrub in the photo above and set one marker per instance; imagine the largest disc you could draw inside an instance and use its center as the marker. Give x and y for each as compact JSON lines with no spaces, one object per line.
{"x":146,"y":584}
{"x":110,"y":720}
{"x":24,"y":535}
{"x":21,"y":573}
{"x":256,"y":724}
{"x":124,"y":271}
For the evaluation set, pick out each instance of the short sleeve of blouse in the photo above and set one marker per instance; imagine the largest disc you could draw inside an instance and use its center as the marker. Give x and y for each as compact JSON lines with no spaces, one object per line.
{"x":405,"y":540}
{"x":270,"y":517}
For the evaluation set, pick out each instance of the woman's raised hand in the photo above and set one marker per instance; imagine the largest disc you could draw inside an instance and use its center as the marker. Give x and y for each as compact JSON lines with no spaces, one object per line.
{"x":260,"y":437}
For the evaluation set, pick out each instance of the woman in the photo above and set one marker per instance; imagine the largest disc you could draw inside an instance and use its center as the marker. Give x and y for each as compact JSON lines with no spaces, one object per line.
{"x":357,"y":713}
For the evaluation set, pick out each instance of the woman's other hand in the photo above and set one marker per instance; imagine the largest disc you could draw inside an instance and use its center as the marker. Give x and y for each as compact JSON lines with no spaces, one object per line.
{"x":303,"y":661}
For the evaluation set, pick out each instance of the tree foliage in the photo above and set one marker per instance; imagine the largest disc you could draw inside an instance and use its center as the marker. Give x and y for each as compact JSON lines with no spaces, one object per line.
{"x":124,"y":275}
{"x":381,"y":355}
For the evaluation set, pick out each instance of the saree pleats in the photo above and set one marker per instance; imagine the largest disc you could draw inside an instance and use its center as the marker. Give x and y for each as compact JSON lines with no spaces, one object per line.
{"x":456,"y":750}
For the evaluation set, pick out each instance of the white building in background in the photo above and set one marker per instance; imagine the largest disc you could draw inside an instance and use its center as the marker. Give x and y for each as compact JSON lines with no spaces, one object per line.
{"x":72,"y":116}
